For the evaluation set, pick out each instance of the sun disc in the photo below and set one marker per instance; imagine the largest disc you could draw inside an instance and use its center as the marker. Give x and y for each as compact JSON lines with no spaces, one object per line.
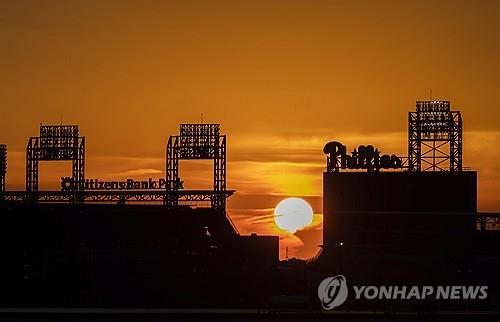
{"x":292,"y":214}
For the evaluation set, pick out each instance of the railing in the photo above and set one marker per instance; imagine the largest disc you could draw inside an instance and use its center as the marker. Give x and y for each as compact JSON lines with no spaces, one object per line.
{"x":114,"y":196}
{"x":487,"y":221}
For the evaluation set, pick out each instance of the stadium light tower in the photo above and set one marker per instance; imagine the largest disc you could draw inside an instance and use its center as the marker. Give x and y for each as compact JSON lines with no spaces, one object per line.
{"x":434,"y":137}
{"x":56,"y":143}
{"x":197,"y":142}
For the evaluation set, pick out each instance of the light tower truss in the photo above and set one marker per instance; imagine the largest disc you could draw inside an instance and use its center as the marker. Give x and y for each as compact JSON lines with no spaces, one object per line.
{"x":56,"y":143}
{"x":434,"y":137}
{"x":3,"y":167}
{"x":197,"y":142}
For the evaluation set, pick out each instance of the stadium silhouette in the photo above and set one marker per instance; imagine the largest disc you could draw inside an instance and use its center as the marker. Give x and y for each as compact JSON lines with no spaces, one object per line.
{"x":388,"y":220}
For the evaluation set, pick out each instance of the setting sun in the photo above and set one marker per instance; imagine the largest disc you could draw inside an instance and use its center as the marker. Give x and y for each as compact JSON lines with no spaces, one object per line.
{"x":292,"y":214}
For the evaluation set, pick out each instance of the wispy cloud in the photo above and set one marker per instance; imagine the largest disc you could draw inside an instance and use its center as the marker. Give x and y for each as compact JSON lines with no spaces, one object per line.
{"x":137,"y":172}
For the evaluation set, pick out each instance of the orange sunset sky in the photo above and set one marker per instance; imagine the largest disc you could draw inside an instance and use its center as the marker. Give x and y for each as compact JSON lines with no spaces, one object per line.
{"x":282,"y":77}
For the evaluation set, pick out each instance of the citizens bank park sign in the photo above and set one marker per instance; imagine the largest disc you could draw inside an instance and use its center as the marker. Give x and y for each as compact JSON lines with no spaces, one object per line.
{"x":68,"y":184}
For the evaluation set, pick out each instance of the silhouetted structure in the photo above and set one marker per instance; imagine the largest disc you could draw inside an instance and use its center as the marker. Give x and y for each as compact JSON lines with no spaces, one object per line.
{"x":103,"y":251}
{"x":418,"y":223}
{"x":61,"y":143}
{"x":56,"y":143}
{"x":104,"y":255}
{"x":197,"y":142}
{"x":392,"y":224}
{"x":404,"y":213}
{"x":3,"y":167}
{"x":434,"y":137}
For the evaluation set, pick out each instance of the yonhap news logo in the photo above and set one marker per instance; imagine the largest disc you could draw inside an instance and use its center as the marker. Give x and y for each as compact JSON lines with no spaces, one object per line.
{"x":333,"y":292}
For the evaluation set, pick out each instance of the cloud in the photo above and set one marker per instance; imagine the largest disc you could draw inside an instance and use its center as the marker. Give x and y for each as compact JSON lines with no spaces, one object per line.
{"x":137,"y":172}
{"x":303,"y":244}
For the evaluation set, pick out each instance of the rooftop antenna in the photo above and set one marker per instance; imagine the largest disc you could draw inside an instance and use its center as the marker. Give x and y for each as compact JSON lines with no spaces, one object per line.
{"x":430,"y":95}
{"x":201,"y":118}
{"x":286,"y":252}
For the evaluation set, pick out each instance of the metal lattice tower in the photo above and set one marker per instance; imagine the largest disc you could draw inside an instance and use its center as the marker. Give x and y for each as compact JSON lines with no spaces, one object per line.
{"x":3,"y":166}
{"x":56,"y":143}
{"x":434,"y":137}
{"x":197,"y":142}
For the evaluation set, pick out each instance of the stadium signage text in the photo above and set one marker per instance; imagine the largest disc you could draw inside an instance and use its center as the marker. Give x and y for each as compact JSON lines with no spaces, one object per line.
{"x":68,"y":184}
{"x":365,"y":157}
